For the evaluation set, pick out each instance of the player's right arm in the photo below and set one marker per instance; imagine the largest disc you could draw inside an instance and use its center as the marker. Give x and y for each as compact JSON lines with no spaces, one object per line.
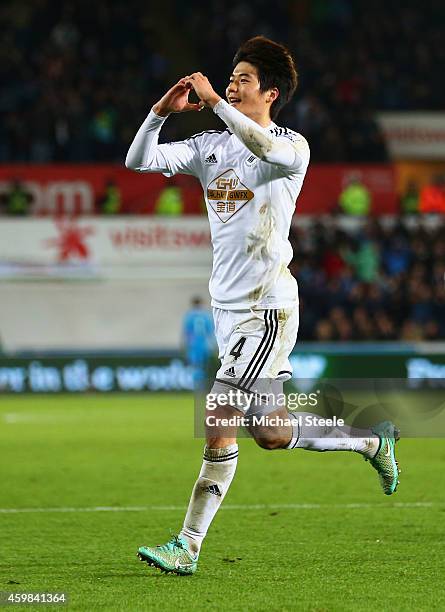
{"x":145,"y":154}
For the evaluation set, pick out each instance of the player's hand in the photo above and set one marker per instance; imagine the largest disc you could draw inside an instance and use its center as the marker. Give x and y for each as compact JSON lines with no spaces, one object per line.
{"x":176,"y":100}
{"x":203,"y":89}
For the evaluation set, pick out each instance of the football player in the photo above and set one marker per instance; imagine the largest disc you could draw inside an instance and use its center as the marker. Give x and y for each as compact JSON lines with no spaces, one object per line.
{"x":251,"y":172}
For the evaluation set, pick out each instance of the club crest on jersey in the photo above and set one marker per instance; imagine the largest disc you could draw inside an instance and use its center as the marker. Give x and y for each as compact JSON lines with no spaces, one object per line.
{"x":226,"y":194}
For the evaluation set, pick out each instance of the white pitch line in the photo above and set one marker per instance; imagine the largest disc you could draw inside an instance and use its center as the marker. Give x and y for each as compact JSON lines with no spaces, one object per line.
{"x":227,"y":507}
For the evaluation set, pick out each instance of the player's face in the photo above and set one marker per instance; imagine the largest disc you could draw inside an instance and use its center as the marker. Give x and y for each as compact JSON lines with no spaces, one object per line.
{"x":243,"y":91}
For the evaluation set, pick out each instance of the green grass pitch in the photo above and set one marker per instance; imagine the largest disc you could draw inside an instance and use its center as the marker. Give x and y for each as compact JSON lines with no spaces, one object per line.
{"x":298,"y":530}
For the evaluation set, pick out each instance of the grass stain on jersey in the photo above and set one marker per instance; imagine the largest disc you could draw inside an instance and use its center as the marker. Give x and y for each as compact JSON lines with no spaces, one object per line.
{"x":258,"y":239}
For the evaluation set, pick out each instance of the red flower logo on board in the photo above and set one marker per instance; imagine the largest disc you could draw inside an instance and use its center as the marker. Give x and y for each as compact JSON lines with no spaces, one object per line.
{"x":71,"y":242}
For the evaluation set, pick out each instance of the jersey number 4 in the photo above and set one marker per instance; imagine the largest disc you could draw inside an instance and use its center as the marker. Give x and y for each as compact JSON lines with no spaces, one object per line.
{"x":236,"y":350}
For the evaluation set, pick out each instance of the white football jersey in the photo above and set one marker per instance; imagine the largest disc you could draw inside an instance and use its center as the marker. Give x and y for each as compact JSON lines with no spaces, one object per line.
{"x":250,"y":204}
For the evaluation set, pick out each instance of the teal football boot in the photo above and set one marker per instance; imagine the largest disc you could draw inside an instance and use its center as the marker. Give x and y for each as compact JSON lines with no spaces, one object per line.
{"x":175,"y":556}
{"x":384,"y":461}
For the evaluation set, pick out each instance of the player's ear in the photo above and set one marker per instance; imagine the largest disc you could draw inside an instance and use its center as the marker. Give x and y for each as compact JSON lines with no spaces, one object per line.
{"x":272,"y":95}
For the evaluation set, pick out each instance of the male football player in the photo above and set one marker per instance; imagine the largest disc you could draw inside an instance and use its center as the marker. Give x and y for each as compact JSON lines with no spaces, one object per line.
{"x":251,"y":173}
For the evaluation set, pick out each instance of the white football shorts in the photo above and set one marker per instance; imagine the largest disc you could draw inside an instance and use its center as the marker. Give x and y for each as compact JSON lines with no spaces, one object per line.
{"x":254,"y":348}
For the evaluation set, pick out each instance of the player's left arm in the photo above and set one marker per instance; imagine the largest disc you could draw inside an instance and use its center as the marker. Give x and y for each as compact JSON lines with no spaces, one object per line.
{"x":290,"y":153}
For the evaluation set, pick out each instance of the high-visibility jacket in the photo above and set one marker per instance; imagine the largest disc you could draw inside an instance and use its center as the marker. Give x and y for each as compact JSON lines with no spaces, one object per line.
{"x":17,"y":202}
{"x":170,"y":202}
{"x":355,"y":200}
{"x":112,"y":202}
{"x":432,"y":199}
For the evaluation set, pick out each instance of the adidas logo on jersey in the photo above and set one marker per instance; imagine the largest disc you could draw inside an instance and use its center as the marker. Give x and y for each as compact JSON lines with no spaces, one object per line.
{"x":230,"y":372}
{"x":213,"y":489}
{"x":211,"y":159}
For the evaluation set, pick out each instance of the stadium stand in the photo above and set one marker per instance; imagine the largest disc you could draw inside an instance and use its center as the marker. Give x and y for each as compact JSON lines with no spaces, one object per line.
{"x":376,"y":283}
{"x":65,"y":97}
{"x":353,"y":58}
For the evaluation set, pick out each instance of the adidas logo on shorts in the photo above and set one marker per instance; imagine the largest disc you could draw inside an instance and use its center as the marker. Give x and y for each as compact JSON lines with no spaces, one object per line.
{"x":230,"y":372}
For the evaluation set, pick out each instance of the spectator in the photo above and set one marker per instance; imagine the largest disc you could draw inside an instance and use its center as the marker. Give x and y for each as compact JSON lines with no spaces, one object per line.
{"x":170,"y":202}
{"x":197,"y":333}
{"x":17,"y":199}
{"x":355,"y":199}
{"x":432,"y":196}
{"x":324,"y":331}
{"x":333,"y":263}
{"x":111,"y":203}
{"x":421,"y":310}
{"x":409,"y":200}
{"x":431,"y":330}
{"x":439,"y":308}
{"x":363,"y":256}
{"x":385,"y":328}
{"x":411,"y":331}
{"x":396,"y":256}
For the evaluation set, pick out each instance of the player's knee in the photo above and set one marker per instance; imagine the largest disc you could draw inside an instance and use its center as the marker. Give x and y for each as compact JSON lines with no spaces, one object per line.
{"x":213,"y":442}
{"x":219,"y":442}
{"x":271,"y":442}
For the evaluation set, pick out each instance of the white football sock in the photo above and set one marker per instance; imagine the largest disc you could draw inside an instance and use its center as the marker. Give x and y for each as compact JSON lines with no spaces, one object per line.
{"x":218,"y":469}
{"x":327,"y":438}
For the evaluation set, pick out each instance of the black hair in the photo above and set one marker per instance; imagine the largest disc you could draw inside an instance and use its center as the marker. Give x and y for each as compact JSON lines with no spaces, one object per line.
{"x":275,"y":65}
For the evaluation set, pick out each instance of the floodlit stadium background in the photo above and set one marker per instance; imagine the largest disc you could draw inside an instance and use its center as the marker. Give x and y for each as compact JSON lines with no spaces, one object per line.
{"x":104,"y":279}
{"x":98,"y":266}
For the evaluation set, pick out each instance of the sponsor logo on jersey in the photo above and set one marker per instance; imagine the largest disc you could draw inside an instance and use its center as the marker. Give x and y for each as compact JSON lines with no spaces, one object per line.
{"x":226,"y":194}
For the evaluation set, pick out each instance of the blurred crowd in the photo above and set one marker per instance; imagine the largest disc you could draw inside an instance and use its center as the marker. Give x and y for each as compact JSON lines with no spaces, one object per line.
{"x":378,"y":282}
{"x":354,"y":57}
{"x":76,"y":79}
